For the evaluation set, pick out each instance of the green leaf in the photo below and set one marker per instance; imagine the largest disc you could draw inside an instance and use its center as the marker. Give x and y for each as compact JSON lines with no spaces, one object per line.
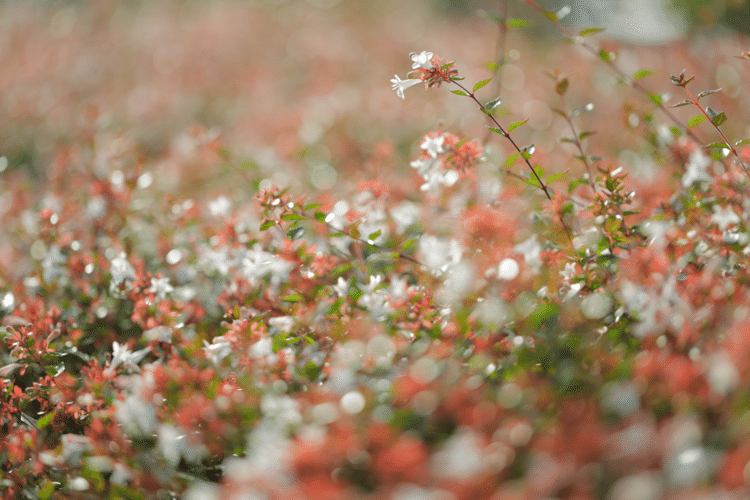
{"x":512,"y":159}
{"x":719,"y":119}
{"x":721,"y":145}
{"x":492,"y":104}
{"x":550,"y":15}
{"x":54,"y":371}
{"x":612,"y":224}
{"x":656,"y":98}
{"x":291,"y":217}
{"x":267,"y":224}
{"x":571,"y":140}
{"x":481,"y":84}
{"x":320,"y":216}
{"x":409,"y":243}
{"x":742,"y":142}
{"x":516,"y":23}
{"x":46,"y":420}
{"x":696,"y":120}
{"x":532,"y":182}
{"x":459,"y":92}
{"x":498,"y":131}
{"x":680,"y":104}
{"x":295,"y":297}
{"x":46,"y":491}
{"x":491,"y":66}
{"x":554,"y":177}
{"x":707,"y":92}
{"x":585,"y":134}
{"x":295,"y":233}
{"x":562,"y":86}
{"x":375,"y":235}
{"x":312,"y":205}
{"x":560,"y":112}
{"x":574,"y":184}
{"x":515,"y":125}
{"x":590,"y":31}
{"x":604,"y":55}
{"x":642,"y":74}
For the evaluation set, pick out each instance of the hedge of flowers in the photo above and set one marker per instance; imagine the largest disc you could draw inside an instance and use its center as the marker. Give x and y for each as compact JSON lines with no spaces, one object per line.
{"x":499,"y":321}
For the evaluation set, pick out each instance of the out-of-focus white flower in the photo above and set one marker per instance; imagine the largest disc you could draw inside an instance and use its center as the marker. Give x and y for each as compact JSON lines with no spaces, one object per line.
{"x":724,"y":217}
{"x":421,"y":60}
{"x":531,"y":249}
{"x":569,"y":272}
{"x":136,"y":415}
{"x":433,"y":145}
{"x":121,"y":355}
{"x":219,"y":207}
{"x":695,"y":170}
{"x":440,"y":254}
{"x":51,"y":264}
{"x":218,"y":349}
{"x":374,"y":283}
{"x":574,"y":289}
{"x":400,"y":85}
{"x":255,"y":263}
{"x":562,"y":13}
{"x":161,"y":287}
{"x":283,"y":323}
{"x":341,"y":287}
{"x":121,"y":270}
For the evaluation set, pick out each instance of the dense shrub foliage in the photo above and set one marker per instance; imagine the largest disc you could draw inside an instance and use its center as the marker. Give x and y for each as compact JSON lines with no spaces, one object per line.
{"x":544,"y":293}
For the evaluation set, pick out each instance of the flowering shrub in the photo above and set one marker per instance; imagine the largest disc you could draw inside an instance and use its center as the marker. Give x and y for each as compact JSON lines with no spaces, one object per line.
{"x":504,"y":320}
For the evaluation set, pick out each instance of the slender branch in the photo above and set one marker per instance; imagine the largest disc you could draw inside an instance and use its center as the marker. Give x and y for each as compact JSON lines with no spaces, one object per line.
{"x":502,"y":36}
{"x":723,"y":136}
{"x":630,"y":81}
{"x":507,"y":136}
{"x":577,"y":141}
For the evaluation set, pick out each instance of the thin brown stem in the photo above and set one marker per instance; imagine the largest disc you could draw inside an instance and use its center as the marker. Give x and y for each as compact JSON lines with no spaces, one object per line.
{"x":578,"y":143}
{"x":507,"y":136}
{"x":630,"y":81}
{"x":723,"y":136}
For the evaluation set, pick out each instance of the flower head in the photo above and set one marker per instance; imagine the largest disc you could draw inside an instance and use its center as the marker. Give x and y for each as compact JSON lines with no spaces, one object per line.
{"x":400,"y":85}
{"x":121,"y":355}
{"x":421,"y":60}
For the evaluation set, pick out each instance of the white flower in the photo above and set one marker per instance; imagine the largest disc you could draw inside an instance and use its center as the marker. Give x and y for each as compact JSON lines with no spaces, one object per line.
{"x":220,"y":207}
{"x":161,"y":287}
{"x":400,"y":85}
{"x":421,"y":60}
{"x":569,"y":272}
{"x":218,"y":349}
{"x":695,"y":170}
{"x":121,"y":355}
{"x":283,"y":323}
{"x":433,"y":145}
{"x":341,"y":287}
{"x":563,"y":12}
{"x":724,"y":217}
{"x":531,"y":250}
{"x":121,"y":270}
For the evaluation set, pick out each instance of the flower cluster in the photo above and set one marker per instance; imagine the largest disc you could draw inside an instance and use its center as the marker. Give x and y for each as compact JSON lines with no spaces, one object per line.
{"x":431,"y":72}
{"x":167,"y":338}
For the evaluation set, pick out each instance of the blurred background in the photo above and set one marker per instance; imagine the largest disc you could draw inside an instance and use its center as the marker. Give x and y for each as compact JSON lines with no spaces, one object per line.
{"x":299,"y":89}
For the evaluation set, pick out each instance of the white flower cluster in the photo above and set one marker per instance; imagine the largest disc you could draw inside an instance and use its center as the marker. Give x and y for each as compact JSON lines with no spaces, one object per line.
{"x":430,"y":168}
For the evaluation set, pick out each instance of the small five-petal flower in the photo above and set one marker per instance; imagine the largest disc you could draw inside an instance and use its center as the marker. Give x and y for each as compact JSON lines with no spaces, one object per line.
{"x":400,"y":85}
